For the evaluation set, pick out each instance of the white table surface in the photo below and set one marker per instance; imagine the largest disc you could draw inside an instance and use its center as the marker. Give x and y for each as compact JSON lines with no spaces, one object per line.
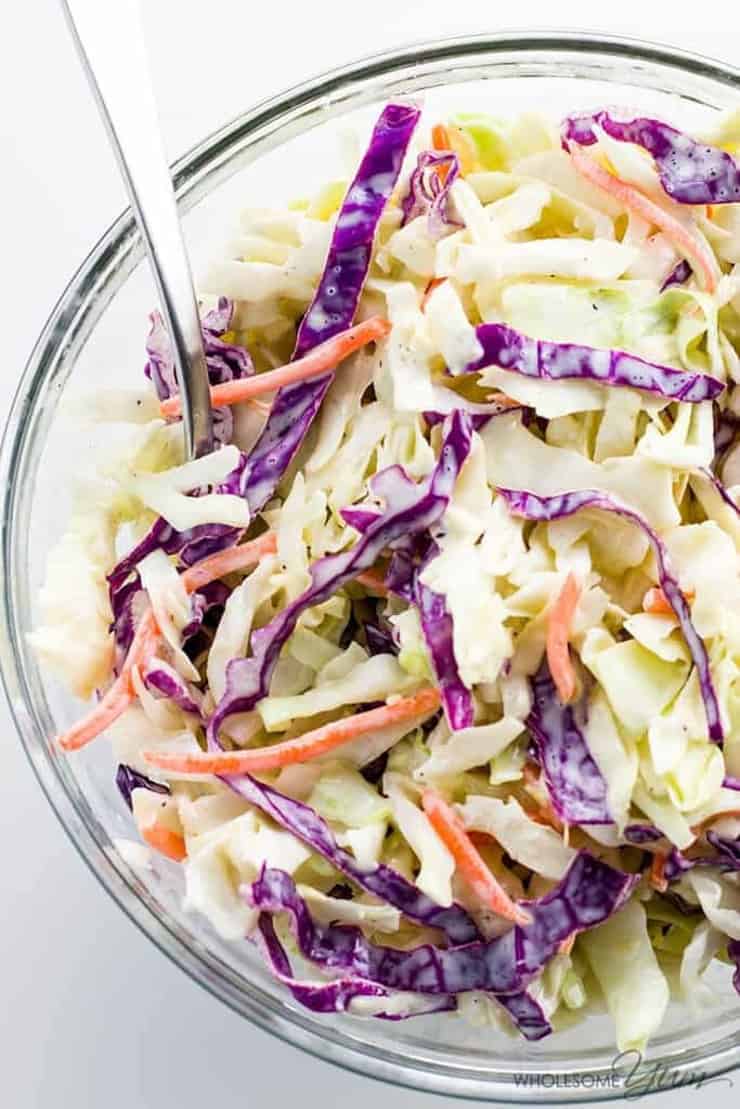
{"x":91,"y":1014}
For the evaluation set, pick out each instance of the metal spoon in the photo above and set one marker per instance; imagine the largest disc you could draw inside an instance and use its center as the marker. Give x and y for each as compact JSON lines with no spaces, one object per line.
{"x":109,"y":37}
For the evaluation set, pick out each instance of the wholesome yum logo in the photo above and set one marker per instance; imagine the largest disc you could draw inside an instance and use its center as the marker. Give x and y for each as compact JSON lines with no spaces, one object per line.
{"x":630,"y":1074}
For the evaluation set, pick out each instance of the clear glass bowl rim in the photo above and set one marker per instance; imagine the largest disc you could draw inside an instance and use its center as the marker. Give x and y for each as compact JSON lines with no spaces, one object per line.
{"x":72,"y":321}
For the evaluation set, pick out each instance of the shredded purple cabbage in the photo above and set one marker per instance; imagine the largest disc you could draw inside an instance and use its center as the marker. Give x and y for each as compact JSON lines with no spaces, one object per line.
{"x":404,"y":579}
{"x":577,"y":787}
{"x":721,"y":489}
{"x":127,"y":605}
{"x":679,"y":275}
{"x":336,"y":996}
{"x":410,"y":509}
{"x":342,"y":948}
{"x":538,"y":358}
{"x":728,"y":850}
{"x":128,"y":779}
{"x":639,"y":834}
{"x":164,"y":681}
{"x":379,"y":639}
{"x":429,"y":195}
{"x":209,"y":599}
{"x":690,"y":172}
{"x":534,"y":507}
{"x":382,"y":881}
{"x":590,"y":892}
{"x":225,"y":361}
{"x":438,"y":630}
{"x":726,"y":858}
{"x":335,"y":300}
{"x":731,"y":783}
{"x":526,"y":1013}
{"x":733,"y":951}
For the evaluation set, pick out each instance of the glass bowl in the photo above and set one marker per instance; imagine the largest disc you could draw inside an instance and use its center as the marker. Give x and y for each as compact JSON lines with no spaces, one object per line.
{"x":273,"y":152}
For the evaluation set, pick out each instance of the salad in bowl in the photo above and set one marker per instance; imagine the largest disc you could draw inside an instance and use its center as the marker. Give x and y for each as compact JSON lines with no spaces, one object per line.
{"x":428,"y":675}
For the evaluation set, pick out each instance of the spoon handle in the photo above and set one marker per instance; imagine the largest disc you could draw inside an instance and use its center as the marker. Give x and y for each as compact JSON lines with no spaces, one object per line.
{"x":109,"y":37}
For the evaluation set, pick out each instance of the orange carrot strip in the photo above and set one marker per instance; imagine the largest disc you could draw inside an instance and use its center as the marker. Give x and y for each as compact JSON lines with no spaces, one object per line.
{"x":302,"y":749}
{"x":658,"y":879}
{"x":164,"y":840}
{"x":656,"y":603}
{"x":689,"y":246}
{"x":144,"y":644}
{"x":226,"y":562}
{"x":322,"y":358}
{"x":560,"y":619}
{"x":374,"y":581}
{"x":451,"y":830}
{"x":454,"y":139}
{"x":567,"y":945}
{"x":440,"y":137}
{"x":432,"y":284}
{"x":121,"y":693}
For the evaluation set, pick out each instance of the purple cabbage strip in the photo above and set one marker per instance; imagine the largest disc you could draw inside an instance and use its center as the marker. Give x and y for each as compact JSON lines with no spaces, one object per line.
{"x":534,"y":507}
{"x":589,"y":893}
{"x":225,"y":361}
{"x":335,"y":996}
{"x":379,"y":640}
{"x":437,"y":627}
{"x":382,"y":881}
{"x":128,"y":779}
{"x":429,"y":194}
{"x":344,"y":948}
{"x":164,"y":681}
{"x":541,"y":359}
{"x":409,"y":509}
{"x":690,"y":172}
{"x":577,"y":787}
{"x":733,"y":951}
{"x":725,"y":433}
{"x":335,"y":300}
{"x":205,"y":600}
{"x":721,"y":489}
{"x":639,"y":834}
{"x":404,"y":579}
{"x":726,"y":859}
{"x":127,"y":604}
{"x":728,"y":850}
{"x":679,"y":275}
{"x":526,"y":1013}
{"x":731,"y":783}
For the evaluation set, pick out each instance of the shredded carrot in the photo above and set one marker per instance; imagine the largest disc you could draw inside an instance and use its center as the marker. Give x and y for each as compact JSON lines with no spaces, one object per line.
{"x":658,"y":879}
{"x":440,"y":137}
{"x":710,"y":211}
{"x":164,"y":840}
{"x":686,"y":243}
{"x":567,"y":944}
{"x":226,"y":562}
{"x":657,"y":604}
{"x":559,"y":623}
{"x":121,"y":693}
{"x":451,"y":830}
{"x":146,"y":640}
{"x":302,"y":749}
{"x":432,"y":284}
{"x":322,"y":358}
{"x":454,"y":139}
{"x":373,"y":581}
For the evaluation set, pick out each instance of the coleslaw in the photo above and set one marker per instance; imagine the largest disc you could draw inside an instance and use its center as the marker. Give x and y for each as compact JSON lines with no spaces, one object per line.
{"x":428,"y":677}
